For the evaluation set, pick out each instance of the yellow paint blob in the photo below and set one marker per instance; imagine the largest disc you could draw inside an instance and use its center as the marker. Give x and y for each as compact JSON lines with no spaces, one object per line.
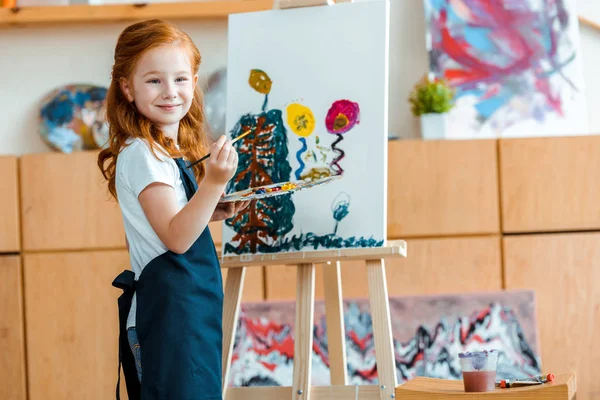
{"x":300,"y":119}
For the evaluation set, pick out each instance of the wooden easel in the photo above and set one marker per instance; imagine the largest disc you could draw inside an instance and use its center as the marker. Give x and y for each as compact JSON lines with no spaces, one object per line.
{"x":305,"y":297}
{"x":564,"y":388}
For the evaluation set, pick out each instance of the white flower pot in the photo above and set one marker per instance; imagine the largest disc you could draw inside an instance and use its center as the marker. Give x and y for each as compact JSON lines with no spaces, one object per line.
{"x":433,"y":126}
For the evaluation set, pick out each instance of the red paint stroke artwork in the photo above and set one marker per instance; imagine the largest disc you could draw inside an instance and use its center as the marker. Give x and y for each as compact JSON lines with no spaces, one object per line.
{"x":516,"y":66}
{"x":428,"y":332}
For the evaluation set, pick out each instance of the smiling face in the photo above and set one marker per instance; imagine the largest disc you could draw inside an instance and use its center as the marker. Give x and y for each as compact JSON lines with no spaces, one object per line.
{"x":162,"y":86}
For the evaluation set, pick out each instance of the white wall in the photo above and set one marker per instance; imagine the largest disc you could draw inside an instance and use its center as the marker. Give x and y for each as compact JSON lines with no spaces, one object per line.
{"x":35,"y":60}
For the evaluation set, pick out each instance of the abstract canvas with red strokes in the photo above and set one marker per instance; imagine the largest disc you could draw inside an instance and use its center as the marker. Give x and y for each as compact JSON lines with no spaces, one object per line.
{"x":515,"y":65}
{"x":312,"y":115}
{"x":428,"y":332}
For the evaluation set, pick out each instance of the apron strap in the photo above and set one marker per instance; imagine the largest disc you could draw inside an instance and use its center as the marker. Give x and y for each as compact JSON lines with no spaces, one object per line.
{"x":187,"y":177}
{"x":126,"y":282}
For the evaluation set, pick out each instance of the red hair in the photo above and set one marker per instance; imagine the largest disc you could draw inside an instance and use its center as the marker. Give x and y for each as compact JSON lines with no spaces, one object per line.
{"x":125,"y":121}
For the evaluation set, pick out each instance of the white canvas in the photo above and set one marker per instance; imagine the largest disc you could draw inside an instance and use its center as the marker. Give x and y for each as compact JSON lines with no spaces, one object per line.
{"x":312,"y":57}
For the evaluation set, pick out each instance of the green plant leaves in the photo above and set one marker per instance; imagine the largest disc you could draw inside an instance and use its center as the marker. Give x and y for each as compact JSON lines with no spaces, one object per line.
{"x":431,"y":96}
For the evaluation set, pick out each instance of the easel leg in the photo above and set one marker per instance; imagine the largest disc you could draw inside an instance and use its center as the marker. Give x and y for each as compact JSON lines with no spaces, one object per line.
{"x":382,"y":329}
{"x":231,"y":308}
{"x":303,"y":337}
{"x":336,"y":333}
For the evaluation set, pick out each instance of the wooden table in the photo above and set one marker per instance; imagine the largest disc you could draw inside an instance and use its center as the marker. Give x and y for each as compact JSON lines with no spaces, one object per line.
{"x":564,"y":387}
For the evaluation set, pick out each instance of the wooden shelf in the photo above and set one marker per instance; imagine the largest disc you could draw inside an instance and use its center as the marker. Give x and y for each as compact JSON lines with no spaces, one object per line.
{"x":106,"y":13}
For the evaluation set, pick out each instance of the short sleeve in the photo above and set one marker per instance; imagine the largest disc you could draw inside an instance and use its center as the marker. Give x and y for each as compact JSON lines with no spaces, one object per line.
{"x":140,"y":167}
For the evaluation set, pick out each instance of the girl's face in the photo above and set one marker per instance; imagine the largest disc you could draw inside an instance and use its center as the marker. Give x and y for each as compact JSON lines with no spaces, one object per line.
{"x":162,"y":86}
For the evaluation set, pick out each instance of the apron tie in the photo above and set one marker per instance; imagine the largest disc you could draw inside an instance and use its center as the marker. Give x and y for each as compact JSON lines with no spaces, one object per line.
{"x":126,"y":282}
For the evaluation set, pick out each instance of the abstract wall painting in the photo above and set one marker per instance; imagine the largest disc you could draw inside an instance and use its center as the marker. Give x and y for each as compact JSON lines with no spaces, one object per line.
{"x":515,"y":65}
{"x":311,"y":85}
{"x":428,"y":332}
{"x":72,"y":118}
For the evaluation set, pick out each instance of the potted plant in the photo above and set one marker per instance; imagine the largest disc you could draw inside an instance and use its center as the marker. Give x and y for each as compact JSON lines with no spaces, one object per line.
{"x":431,"y":99}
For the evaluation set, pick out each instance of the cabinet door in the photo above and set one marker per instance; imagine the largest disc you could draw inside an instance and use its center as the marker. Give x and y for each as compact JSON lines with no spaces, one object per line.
{"x":280,"y":282}
{"x":72,"y":324}
{"x":433,"y":266}
{"x":254,"y":285}
{"x":564,"y":272}
{"x":10,"y":240}
{"x":550,"y":184}
{"x":12,"y":343}
{"x":216,"y":231}
{"x":66,"y":204}
{"x":438,"y":188}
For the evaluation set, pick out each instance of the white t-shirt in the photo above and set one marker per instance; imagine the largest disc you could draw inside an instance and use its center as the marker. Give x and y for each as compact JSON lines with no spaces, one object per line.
{"x":137,"y":168}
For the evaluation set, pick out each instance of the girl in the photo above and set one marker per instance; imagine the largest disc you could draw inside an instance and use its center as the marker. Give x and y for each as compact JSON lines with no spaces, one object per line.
{"x":170,"y":311}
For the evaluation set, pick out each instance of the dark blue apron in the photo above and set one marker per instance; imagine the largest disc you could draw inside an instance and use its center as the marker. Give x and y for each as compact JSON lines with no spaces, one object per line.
{"x":178,"y":321}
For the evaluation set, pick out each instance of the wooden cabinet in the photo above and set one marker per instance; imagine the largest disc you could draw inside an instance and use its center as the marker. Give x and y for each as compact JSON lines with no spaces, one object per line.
{"x":10,"y":240}
{"x":216,"y":231}
{"x":254,"y":285}
{"x":12,"y":341}
{"x":66,"y":204}
{"x":564,"y":272}
{"x":550,"y":184}
{"x":439,"y":188}
{"x":441,"y":265}
{"x":280,"y":282}
{"x":445,"y":198}
{"x":447,"y":265}
{"x":72,"y":323}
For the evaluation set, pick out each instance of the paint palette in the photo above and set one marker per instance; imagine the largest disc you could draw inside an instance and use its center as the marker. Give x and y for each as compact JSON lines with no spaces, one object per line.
{"x":276,"y":189}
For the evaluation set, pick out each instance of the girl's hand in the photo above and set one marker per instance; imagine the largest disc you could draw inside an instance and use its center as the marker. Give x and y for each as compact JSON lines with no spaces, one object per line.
{"x":222,"y":163}
{"x":228,"y":210}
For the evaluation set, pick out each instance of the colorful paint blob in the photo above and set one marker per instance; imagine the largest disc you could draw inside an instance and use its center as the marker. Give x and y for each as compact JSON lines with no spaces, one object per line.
{"x":275,"y":189}
{"x":300,"y":119}
{"x":260,"y":81}
{"x":316,"y":173}
{"x":342,"y":116}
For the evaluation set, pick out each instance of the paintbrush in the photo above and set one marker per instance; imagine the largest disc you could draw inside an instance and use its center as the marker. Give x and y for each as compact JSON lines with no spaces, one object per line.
{"x":232,"y":142}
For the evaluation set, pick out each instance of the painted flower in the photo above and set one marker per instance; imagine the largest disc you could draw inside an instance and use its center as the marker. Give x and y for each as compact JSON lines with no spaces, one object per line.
{"x":300,"y":119}
{"x":260,"y":81}
{"x":342,"y":116}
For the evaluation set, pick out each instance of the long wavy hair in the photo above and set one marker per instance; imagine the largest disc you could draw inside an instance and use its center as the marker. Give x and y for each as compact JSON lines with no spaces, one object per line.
{"x":125,"y":121}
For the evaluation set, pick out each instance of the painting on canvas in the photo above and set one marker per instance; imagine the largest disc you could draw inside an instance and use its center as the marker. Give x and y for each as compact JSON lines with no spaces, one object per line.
{"x":428,"y":333}
{"x":311,"y":86}
{"x":515,"y":65}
